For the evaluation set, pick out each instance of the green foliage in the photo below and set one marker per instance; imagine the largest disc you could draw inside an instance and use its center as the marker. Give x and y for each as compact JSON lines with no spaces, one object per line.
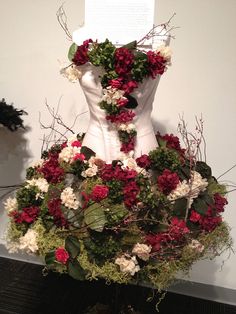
{"x":72,"y":50}
{"x":115,"y":191}
{"x":164,"y":158}
{"x":94,"y":217}
{"x":140,"y":66}
{"x":201,"y":203}
{"x":132,"y":102}
{"x":75,"y":270}
{"x":72,"y":245}
{"x":88,"y":152}
{"x":203,"y":169}
{"x":27,"y":197}
{"x":115,"y":214}
{"x":109,"y":108}
{"x":30,"y":173}
{"x":102,"y":54}
{"x":215,"y":187}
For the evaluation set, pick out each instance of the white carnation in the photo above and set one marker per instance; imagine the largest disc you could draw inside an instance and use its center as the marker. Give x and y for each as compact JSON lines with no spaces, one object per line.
{"x":40,"y":183}
{"x":127,"y":264}
{"x":130,"y":163}
{"x":142,"y":251}
{"x":69,"y":199}
{"x":72,"y":73}
{"x":10,"y":204}
{"x":127,"y":127}
{"x":68,"y":153}
{"x":28,"y":242}
{"x":90,"y":172}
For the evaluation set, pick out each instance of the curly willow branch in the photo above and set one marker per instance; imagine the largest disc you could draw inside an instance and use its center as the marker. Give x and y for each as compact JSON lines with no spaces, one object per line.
{"x":62,"y":20}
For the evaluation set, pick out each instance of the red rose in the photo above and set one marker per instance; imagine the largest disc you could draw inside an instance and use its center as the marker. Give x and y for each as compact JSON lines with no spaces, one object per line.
{"x":124,"y":59}
{"x":99,"y":192}
{"x":167,"y":181}
{"x":143,"y":161}
{"x":61,"y":255}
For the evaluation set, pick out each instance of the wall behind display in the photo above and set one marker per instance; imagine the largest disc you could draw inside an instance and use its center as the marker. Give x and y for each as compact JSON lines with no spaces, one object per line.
{"x":201,"y":80}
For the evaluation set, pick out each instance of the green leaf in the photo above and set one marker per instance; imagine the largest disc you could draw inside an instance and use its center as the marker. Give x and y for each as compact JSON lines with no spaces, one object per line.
{"x":200,"y":206}
{"x":131,"y":45}
{"x":132,"y":102}
{"x":50,"y":258}
{"x":94,"y":217}
{"x":72,"y":51}
{"x":72,"y":246}
{"x":180,"y":206}
{"x":87,"y":152}
{"x":75,"y":270}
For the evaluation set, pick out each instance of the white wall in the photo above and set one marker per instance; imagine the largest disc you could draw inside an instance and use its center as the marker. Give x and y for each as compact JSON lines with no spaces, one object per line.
{"x":201,"y":80}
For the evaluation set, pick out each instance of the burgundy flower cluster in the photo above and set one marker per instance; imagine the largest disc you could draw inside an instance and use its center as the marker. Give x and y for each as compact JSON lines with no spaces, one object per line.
{"x":55,"y":210}
{"x":124,"y":59}
{"x":167,"y":181}
{"x":81,"y":56}
{"x":27,"y":215}
{"x":156,"y":64}
{"x":51,"y":169}
{"x":99,"y":192}
{"x":211,"y":219}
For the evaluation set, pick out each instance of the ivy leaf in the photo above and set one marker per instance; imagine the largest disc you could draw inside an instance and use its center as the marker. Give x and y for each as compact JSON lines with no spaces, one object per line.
{"x":72,"y":51}
{"x":75,"y":270}
{"x":132,"y":45}
{"x":87,"y":152}
{"x":72,"y":246}
{"x":132,"y":102}
{"x":94,"y":217}
{"x":200,"y":206}
{"x":50,"y":258}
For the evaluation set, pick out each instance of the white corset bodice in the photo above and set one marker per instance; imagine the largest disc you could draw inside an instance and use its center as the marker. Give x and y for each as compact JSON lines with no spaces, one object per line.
{"x":102,"y":136}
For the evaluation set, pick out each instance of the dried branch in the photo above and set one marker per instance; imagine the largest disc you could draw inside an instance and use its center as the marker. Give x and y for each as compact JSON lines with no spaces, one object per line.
{"x":62,"y":19}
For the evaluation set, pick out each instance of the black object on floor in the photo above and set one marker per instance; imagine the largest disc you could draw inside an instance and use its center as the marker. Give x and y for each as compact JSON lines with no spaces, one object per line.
{"x":24,"y":290}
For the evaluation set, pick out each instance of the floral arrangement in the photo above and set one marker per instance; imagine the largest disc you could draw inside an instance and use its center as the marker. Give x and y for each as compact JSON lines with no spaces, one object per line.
{"x":134,"y":220}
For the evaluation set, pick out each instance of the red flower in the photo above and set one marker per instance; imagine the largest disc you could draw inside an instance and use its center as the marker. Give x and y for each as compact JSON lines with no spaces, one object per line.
{"x":28,"y":215}
{"x":171,"y":141}
{"x":117,"y":83}
{"x":122,"y":102}
{"x":131,"y":190}
{"x":81,"y":55}
{"x":194,"y":217}
{"x":210,"y":223}
{"x":127,"y":147}
{"x":99,"y":192}
{"x":54,"y":209}
{"x":51,"y":170}
{"x":61,"y":255}
{"x":124,"y":59}
{"x":143,"y":161}
{"x":156,"y":64}
{"x":129,"y":86}
{"x":168,"y":181}
{"x":220,"y":202}
{"x":79,"y":157}
{"x":122,"y":117}
{"x":76,"y":144}
{"x":178,"y":228}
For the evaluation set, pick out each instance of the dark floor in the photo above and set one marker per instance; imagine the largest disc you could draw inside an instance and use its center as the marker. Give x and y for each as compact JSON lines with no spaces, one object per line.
{"x":23,"y":290}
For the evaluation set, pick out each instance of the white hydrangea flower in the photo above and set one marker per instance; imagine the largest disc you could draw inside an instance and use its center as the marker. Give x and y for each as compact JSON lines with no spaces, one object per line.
{"x":69,"y":199}
{"x":127,"y":264}
{"x":165,"y":52}
{"x":182,"y":190}
{"x":28,"y":242}
{"x":199,"y":184}
{"x":142,"y":251}
{"x":10,"y":204}
{"x":72,"y":73}
{"x":40,"y":183}
{"x":68,"y":153}
{"x":12,"y":247}
{"x":112,"y":95}
{"x":90,"y":172}
{"x":196,"y":245}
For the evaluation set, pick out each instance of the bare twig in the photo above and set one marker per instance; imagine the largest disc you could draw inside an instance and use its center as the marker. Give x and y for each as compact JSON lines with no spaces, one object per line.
{"x":62,"y":19}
